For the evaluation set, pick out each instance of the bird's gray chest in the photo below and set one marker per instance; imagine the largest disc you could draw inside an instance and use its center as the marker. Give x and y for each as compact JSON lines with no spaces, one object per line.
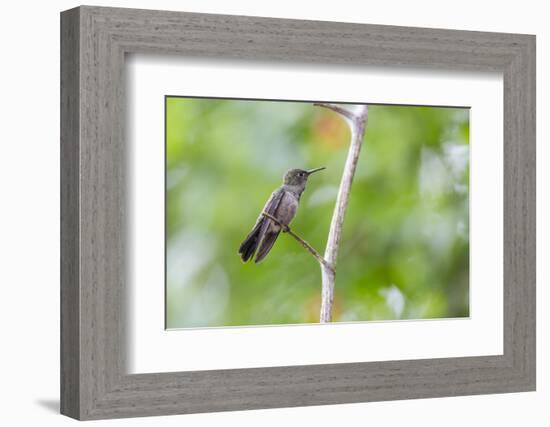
{"x":287,"y":207}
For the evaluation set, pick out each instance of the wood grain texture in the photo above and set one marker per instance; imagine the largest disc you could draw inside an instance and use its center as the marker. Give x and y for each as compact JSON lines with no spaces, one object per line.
{"x":94,"y":380}
{"x":70,"y":292}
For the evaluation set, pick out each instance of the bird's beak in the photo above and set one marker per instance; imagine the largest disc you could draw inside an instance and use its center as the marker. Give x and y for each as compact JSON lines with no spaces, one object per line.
{"x":309,"y":172}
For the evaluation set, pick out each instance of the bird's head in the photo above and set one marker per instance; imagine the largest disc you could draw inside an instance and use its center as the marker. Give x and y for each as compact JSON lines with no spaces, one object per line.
{"x":298,"y":177}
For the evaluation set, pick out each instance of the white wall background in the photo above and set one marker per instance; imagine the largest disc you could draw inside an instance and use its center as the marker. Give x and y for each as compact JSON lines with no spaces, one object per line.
{"x":29,"y":225}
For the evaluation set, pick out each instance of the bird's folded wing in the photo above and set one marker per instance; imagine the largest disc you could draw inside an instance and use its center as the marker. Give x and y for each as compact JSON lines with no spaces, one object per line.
{"x":267,"y":235}
{"x":273,"y":203}
{"x":251,"y":243}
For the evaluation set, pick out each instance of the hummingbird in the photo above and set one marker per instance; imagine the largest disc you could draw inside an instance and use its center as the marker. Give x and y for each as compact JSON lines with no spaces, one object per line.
{"x":282,"y":205}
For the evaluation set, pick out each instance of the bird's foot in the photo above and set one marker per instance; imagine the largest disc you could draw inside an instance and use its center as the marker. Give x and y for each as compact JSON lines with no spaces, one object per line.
{"x":286,"y":229}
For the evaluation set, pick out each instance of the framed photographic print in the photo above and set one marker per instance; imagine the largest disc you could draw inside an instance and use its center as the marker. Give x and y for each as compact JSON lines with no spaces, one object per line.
{"x":262,"y":213}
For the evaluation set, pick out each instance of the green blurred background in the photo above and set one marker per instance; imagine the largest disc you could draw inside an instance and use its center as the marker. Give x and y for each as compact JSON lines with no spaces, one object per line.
{"x":405,"y":247}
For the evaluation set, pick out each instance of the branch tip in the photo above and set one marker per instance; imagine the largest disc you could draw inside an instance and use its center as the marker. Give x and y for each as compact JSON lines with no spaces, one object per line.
{"x":348,"y":114}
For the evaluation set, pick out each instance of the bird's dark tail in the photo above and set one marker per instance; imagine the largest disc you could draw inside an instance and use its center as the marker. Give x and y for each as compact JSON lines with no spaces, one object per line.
{"x":266,"y":245}
{"x":250,"y":244}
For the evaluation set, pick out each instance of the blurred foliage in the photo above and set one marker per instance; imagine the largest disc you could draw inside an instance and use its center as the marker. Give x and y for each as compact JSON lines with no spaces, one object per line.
{"x":405,"y":247}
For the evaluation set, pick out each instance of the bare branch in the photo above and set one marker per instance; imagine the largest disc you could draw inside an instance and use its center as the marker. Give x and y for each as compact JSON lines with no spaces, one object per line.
{"x":305,"y":244}
{"x":340,"y":110}
{"x":356,"y":121}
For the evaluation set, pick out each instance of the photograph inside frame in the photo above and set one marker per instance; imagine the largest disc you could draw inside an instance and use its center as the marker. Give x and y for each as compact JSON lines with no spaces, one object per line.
{"x":252,"y":189}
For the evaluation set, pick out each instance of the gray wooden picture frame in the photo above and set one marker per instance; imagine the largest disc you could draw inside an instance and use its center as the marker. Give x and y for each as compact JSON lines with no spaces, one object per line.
{"x":94,"y":381}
